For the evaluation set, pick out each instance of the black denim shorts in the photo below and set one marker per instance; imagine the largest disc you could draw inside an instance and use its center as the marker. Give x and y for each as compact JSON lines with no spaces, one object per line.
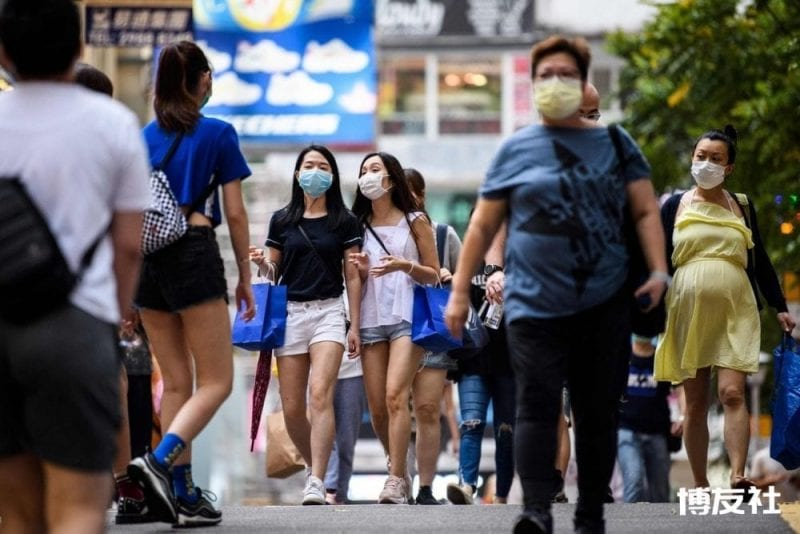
{"x":185,"y":273}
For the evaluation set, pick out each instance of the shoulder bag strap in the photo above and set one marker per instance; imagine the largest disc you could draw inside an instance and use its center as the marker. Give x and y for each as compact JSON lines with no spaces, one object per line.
{"x":441,"y":237}
{"x":744,"y":205}
{"x":380,"y":241}
{"x":613,"y":132}
{"x":202,"y":198}
{"x":308,"y":240}
{"x":171,"y":151}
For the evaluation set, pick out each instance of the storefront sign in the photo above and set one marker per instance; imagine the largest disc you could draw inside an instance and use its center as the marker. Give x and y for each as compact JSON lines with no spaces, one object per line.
{"x":491,"y":19}
{"x":137,"y":26}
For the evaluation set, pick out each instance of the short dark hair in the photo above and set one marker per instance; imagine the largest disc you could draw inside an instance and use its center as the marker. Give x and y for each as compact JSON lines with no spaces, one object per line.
{"x":727,"y":135}
{"x":180,"y":67}
{"x":94,"y":79}
{"x":578,"y":48}
{"x":41,"y":38}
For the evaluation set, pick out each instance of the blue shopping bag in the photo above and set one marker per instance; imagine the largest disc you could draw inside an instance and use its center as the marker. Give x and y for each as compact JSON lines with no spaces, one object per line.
{"x":428,"y":329}
{"x":785,"y":443}
{"x":267,"y":329}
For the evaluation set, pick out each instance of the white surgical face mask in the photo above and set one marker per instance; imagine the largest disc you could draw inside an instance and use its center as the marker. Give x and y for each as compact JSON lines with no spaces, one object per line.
{"x":708,"y":175}
{"x":557,"y":98}
{"x":370,"y":185}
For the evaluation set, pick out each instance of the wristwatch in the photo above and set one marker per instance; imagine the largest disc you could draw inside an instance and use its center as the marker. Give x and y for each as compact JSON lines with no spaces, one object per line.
{"x":490,"y":269}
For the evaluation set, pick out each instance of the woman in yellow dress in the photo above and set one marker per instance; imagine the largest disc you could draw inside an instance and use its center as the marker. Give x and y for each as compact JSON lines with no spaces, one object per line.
{"x":712,"y":313}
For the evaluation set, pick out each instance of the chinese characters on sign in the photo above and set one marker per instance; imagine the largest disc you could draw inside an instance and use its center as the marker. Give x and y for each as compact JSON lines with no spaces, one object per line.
{"x":719,"y":501}
{"x":139,"y":26}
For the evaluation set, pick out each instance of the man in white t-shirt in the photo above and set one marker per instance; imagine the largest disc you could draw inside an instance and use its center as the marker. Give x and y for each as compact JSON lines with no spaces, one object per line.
{"x":81,"y":158}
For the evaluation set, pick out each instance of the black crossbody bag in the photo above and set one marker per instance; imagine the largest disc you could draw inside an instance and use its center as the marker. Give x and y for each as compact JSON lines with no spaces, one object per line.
{"x":35,"y":278}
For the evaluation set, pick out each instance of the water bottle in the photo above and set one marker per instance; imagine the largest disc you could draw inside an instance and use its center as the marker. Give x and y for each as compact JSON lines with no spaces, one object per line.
{"x":494,"y":316}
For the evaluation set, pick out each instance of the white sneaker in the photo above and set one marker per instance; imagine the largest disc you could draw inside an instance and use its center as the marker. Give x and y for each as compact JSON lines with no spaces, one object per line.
{"x":314,"y":492}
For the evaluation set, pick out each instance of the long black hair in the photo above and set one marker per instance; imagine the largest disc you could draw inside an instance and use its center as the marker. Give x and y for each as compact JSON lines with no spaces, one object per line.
{"x":727,"y":135}
{"x":292,"y":213}
{"x":400,"y":192}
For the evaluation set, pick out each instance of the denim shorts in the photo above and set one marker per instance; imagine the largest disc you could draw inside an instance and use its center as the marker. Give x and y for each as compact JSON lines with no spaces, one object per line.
{"x":59,"y":390}
{"x":438,"y":360}
{"x":185,"y":273}
{"x":376,"y":334}
{"x":311,"y":322}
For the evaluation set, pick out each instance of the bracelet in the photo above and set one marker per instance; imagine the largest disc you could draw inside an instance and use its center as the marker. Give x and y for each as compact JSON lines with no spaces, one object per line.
{"x":661,"y":276}
{"x":408,"y":272}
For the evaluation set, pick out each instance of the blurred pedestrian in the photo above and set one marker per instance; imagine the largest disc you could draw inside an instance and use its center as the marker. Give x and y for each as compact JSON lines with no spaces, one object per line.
{"x":309,"y":241}
{"x":81,"y":158}
{"x":133,"y":438}
{"x":644,"y":428}
{"x":565,"y":194}
{"x":182,"y":292}
{"x":485,"y":378}
{"x":719,"y":264}
{"x":349,"y":405}
{"x":427,"y":389}
{"x":398,"y":252}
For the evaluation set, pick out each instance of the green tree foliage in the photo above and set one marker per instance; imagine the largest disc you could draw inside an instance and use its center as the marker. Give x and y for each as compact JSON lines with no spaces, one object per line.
{"x":701,"y":64}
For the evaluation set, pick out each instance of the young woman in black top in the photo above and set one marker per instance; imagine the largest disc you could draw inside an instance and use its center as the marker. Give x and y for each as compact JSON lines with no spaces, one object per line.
{"x":307,"y":243}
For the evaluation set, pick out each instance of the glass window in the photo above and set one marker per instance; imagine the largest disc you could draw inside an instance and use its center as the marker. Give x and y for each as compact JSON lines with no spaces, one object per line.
{"x":401,"y":96}
{"x":469,"y":97}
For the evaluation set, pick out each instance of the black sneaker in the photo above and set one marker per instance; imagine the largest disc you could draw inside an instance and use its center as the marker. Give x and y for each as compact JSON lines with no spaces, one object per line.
{"x":534,"y":522}
{"x":425,"y":496}
{"x":199,"y":514}
{"x":130,"y":511}
{"x":156,"y":483}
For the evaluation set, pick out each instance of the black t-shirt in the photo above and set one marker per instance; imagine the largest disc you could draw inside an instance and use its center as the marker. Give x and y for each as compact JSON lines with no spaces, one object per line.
{"x":304,"y":273}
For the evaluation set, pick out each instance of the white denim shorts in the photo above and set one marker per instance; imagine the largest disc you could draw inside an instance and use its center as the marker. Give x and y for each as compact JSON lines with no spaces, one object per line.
{"x":312,"y":322}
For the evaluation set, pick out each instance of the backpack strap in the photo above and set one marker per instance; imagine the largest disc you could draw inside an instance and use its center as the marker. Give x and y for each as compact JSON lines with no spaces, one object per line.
{"x":744,"y":203}
{"x":441,"y":238}
{"x":613,"y":132}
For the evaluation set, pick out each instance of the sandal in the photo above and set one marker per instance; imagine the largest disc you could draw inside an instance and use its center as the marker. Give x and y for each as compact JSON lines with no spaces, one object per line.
{"x":743,"y":483}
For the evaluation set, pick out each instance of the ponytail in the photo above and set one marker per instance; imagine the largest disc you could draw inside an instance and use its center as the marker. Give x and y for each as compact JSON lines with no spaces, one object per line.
{"x":180,"y":66}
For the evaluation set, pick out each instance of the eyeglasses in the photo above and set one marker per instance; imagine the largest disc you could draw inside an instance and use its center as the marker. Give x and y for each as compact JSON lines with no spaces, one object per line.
{"x":592,"y":115}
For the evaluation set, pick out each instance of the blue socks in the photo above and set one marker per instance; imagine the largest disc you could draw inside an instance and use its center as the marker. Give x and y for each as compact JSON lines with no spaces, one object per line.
{"x":183,"y":484}
{"x":169,"y":449}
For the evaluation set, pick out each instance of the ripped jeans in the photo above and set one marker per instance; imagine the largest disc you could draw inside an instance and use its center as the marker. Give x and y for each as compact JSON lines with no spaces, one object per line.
{"x":474,"y":394}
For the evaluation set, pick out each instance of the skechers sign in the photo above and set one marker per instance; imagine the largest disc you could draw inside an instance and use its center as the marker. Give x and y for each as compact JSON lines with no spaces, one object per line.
{"x":291,"y":71}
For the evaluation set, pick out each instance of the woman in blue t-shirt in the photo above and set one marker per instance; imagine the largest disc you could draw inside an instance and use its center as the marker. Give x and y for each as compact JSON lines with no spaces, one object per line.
{"x":564,"y":188}
{"x":308,"y":242}
{"x":182,"y":291}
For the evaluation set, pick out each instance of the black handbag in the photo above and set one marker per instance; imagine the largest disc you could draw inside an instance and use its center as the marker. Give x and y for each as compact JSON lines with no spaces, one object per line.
{"x":35,"y":279}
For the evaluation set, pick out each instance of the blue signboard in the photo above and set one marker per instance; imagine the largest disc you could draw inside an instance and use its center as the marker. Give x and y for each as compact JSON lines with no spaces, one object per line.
{"x":291,"y":71}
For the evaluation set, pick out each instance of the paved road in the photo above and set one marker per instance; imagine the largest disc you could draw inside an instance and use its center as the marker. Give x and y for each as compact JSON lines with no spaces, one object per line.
{"x":383,"y":519}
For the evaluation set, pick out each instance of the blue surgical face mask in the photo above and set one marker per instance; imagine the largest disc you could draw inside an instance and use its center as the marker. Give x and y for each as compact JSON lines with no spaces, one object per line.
{"x":315,"y":182}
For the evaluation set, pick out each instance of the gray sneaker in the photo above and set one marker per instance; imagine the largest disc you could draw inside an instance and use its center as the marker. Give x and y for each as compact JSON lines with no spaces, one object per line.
{"x":314,"y":492}
{"x":395,"y":491}
{"x":460,"y":494}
